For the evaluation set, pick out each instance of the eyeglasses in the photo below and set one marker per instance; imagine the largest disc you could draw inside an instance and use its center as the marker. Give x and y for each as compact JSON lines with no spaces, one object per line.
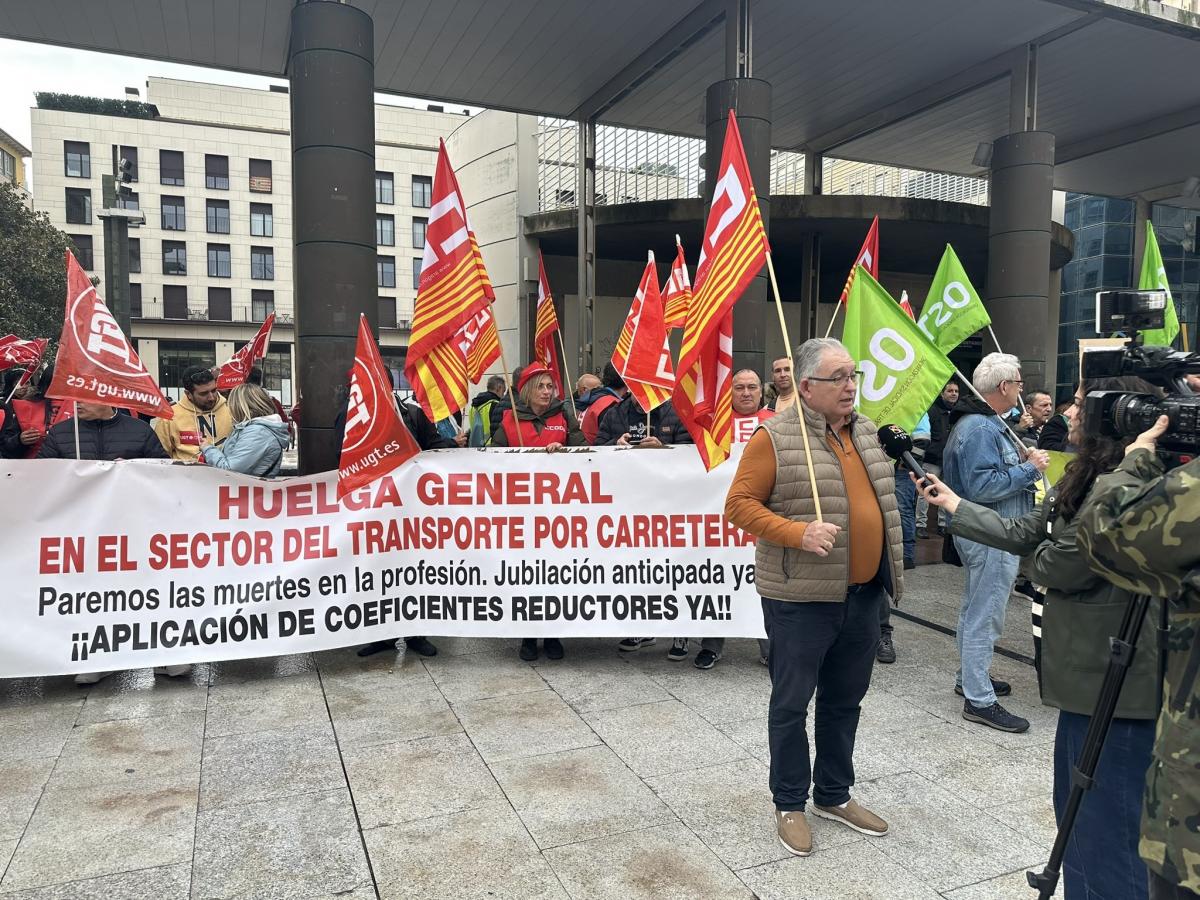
{"x":1015,"y":381}
{"x":838,"y":379}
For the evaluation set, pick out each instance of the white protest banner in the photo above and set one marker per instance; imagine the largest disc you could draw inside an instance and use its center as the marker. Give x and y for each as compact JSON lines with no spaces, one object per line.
{"x":133,"y":564}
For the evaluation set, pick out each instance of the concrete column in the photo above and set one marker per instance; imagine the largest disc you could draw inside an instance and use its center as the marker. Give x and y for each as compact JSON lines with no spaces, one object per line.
{"x":810,"y":283}
{"x":1143,"y":209}
{"x":585,"y":197}
{"x":1018,"y":282}
{"x":750,"y":99}
{"x":332,"y":77}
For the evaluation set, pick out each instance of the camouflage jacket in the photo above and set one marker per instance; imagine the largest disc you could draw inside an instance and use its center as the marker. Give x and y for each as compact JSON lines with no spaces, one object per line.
{"x":1142,"y":531}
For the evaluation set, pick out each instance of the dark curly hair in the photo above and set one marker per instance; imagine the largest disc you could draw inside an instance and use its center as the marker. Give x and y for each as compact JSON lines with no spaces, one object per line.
{"x":1097,"y":454}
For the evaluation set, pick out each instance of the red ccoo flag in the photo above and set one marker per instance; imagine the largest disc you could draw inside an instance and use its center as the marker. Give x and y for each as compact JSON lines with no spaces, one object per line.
{"x":868,"y":258}
{"x":376,"y":440}
{"x":545,"y":350}
{"x":95,"y":362}
{"x":16,"y":352}
{"x":480,"y":344}
{"x":905,"y":305}
{"x":237,"y":369}
{"x":642,"y":355}
{"x":452,"y":290}
{"x":679,"y":290}
{"x":734,"y":250}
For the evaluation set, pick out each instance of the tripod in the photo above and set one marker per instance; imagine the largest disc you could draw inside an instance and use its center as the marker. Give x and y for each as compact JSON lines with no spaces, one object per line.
{"x":1121,"y":652}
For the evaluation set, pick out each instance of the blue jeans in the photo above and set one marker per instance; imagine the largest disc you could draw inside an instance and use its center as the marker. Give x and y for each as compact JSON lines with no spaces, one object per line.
{"x":906,"y":497}
{"x":1101,"y":862}
{"x":990,"y":576}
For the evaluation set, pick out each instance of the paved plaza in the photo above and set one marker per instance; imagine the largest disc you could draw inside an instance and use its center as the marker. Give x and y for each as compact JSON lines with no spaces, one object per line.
{"x":473,"y":774}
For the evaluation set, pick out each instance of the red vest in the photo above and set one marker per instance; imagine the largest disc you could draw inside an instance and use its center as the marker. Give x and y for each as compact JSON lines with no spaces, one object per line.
{"x":590,"y":425}
{"x":554,"y":432}
{"x":744,"y":426}
{"x":40,"y":415}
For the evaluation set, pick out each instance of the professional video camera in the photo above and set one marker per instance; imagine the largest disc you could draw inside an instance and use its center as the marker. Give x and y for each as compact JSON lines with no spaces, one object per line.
{"x":1123,"y":414}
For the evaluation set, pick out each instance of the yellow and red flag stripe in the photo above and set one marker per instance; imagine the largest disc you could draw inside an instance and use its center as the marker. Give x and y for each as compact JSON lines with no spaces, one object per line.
{"x":678,"y":293}
{"x":544,"y":349}
{"x":642,"y":355}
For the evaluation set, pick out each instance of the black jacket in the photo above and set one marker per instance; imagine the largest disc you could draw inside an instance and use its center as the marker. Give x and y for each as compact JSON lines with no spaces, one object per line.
{"x":121,"y":437}
{"x":424,"y":432}
{"x":939,"y":430}
{"x":628,"y":416}
{"x":1054,"y":433}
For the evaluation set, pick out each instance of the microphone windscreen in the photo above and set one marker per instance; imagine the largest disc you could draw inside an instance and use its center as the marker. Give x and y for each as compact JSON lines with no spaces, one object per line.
{"x":895,"y":441}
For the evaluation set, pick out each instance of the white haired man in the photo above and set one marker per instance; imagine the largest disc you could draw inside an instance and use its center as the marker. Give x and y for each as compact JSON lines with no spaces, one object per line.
{"x":984,"y":463}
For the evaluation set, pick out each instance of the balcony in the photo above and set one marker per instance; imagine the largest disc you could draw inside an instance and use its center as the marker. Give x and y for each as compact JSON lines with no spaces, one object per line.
{"x":239,"y":314}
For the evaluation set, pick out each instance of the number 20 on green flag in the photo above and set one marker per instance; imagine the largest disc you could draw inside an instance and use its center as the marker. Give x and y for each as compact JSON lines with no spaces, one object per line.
{"x":902,"y":371}
{"x":952,"y":311}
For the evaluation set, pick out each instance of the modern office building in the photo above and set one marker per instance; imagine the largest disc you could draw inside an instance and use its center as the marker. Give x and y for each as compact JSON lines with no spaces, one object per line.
{"x":212,"y":176}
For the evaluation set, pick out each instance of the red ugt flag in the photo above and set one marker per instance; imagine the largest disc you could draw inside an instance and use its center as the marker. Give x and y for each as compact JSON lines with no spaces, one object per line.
{"x":545,"y":350}
{"x":376,"y":440}
{"x":237,"y":369}
{"x":642,"y":355}
{"x":95,"y":362}
{"x":16,"y":352}
{"x":868,"y":258}
{"x":679,"y":291}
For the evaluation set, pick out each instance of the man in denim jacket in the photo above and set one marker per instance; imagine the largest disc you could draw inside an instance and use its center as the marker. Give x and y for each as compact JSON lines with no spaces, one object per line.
{"x":984,"y":463}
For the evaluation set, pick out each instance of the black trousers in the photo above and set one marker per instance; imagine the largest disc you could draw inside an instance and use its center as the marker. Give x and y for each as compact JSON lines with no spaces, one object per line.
{"x":827,"y":649}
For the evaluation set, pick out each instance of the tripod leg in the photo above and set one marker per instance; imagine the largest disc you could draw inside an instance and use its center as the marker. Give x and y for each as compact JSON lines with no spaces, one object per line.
{"x":1121,"y":653}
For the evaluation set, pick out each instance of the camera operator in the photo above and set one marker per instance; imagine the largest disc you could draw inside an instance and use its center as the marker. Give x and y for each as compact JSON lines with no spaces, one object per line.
{"x":1080,"y":612}
{"x":1141,"y":528}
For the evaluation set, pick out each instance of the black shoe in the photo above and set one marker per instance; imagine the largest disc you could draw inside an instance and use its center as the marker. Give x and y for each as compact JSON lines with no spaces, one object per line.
{"x":553,"y":648}
{"x":377,"y":647}
{"x":922,"y":534}
{"x":909,"y":564}
{"x":885,"y":652}
{"x":706,"y":659}
{"x":529,"y":649}
{"x":421,"y":645}
{"x":994,"y":716}
{"x":999,"y":688}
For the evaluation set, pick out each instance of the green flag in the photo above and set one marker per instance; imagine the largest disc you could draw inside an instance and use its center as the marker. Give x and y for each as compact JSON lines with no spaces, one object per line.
{"x":902,"y":371}
{"x":952,"y":311}
{"x":1154,"y":278}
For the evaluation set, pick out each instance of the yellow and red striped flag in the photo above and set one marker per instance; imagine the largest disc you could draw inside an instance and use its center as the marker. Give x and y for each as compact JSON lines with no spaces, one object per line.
{"x":868,"y":258}
{"x":679,"y":290}
{"x":480,"y":344}
{"x":734,"y":250}
{"x":545,"y":350}
{"x":452,"y":291}
{"x":642,"y":355}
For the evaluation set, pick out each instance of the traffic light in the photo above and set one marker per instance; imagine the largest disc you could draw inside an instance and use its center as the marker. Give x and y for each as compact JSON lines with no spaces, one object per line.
{"x":124,"y":177}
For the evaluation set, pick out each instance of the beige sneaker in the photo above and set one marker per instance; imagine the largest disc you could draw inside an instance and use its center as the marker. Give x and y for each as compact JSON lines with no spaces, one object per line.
{"x":794,"y":833}
{"x":857,"y":817}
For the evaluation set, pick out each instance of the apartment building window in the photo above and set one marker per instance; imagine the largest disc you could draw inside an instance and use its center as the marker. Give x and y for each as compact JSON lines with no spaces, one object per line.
{"x":130,"y":201}
{"x":220,"y":263}
{"x":8,"y":165}
{"x":174,"y":215}
{"x":262,"y":304}
{"x":387,"y":312}
{"x":216,"y":172}
{"x":135,"y":300}
{"x":217,"y":213}
{"x":262,"y":222}
{"x":262,"y":263}
{"x":83,"y":249}
{"x":417,"y":261}
{"x":175,"y":301}
{"x":79,"y":206}
{"x":384,"y":188}
{"x":174,"y":258}
{"x":418,"y":233}
{"x":385,"y":231}
{"x":170,"y":167}
{"x":77,"y":159}
{"x":385,"y":271}
{"x":422,"y":191}
{"x":260,"y":176}
{"x":129,"y":153}
{"x":135,"y":256}
{"x":220,"y":304}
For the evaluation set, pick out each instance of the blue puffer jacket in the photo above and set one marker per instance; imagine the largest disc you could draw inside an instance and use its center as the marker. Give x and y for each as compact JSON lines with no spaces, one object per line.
{"x":254,"y":447}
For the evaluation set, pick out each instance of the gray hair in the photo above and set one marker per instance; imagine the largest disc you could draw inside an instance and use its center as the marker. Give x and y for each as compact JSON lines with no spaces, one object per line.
{"x":809,"y":355}
{"x":993,"y":369}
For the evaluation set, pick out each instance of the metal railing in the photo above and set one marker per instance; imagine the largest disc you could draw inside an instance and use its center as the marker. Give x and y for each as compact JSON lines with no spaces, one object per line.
{"x":238,"y":314}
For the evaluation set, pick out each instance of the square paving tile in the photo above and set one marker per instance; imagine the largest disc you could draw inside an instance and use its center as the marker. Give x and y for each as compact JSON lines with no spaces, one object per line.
{"x":858,"y":871}
{"x":129,"y":751}
{"x":657,"y":738}
{"x":578,"y":794}
{"x":245,"y":707}
{"x":523,"y":725}
{"x":139,"y":695}
{"x":720,"y":694}
{"x":296,"y":847}
{"x":1012,"y":886}
{"x":611,"y":684}
{"x":410,"y":780}
{"x":1034,"y":818}
{"x":34,"y":730}
{"x":21,"y":783}
{"x":242,"y":671}
{"x":660,"y":863}
{"x":7,"y":848}
{"x":162,"y":883}
{"x":481,"y":675}
{"x":485,"y":854}
{"x":381,"y":708}
{"x":269,"y":765}
{"x":84,"y":832}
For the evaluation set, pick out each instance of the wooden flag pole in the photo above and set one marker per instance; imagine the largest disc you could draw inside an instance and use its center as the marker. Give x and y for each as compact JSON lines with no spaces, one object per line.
{"x":567,"y":371}
{"x":833,"y":320}
{"x":812,"y":475}
{"x":512,"y":400}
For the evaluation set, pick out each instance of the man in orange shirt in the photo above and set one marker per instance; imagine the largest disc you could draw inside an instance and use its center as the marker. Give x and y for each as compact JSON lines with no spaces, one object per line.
{"x":821,"y":582}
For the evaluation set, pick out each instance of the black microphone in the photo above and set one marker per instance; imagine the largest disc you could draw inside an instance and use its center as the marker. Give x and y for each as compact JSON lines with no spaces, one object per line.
{"x":898,"y":444}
